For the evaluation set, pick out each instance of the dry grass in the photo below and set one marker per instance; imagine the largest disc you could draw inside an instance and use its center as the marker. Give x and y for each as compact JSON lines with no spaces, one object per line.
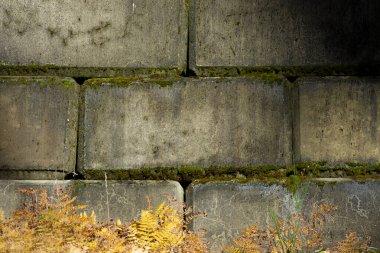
{"x":299,"y":233}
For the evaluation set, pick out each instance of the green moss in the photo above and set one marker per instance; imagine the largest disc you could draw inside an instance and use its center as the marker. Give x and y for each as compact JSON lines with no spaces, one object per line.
{"x":268,"y":77}
{"x":191,"y":173}
{"x":50,"y":81}
{"x":134,"y":174}
{"x":347,"y":169}
{"x":266,"y":74}
{"x":43,"y":81}
{"x":263,"y":72}
{"x":291,"y":72}
{"x":117,"y":81}
{"x":290,"y":177}
{"x":225,"y":179}
{"x":293,"y":182}
{"x":53,"y":70}
{"x":321,"y":183}
{"x":163,"y":83}
{"x":126,"y":81}
{"x":188,"y":2}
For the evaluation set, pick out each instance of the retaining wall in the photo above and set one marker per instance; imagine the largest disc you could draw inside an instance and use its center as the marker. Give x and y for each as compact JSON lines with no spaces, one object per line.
{"x":194,"y":91}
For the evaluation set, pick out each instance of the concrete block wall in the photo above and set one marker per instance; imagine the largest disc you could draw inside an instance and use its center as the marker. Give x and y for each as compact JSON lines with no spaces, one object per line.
{"x":183,"y":90}
{"x":184,"y":122}
{"x":338,"y":119}
{"x":110,"y":200}
{"x":133,"y":34}
{"x":283,"y":33}
{"x":232,"y":206}
{"x":39,"y":119}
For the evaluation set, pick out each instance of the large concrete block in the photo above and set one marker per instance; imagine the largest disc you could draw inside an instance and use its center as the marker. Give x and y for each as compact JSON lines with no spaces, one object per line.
{"x":108,"y":199}
{"x":232,"y":207}
{"x":38,"y":126}
{"x":357,"y":203}
{"x":188,"y":122}
{"x":124,"y":199}
{"x":284,"y":33}
{"x":79,"y":33}
{"x":11,"y":199}
{"x":338,"y":119}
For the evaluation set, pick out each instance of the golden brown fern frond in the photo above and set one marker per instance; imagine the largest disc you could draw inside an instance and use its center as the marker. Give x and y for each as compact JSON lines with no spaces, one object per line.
{"x":352,"y":243}
{"x":248,"y":242}
{"x":193,"y":243}
{"x":157,"y":230}
{"x":53,"y":224}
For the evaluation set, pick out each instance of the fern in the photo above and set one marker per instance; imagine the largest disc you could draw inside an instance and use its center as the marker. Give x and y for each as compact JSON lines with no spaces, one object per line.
{"x":157,"y":230}
{"x":249,"y":242}
{"x":55,"y":224}
{"x":352,"y":243}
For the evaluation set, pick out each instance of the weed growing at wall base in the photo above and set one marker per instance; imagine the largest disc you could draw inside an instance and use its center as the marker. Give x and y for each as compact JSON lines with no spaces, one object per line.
{"x":298,"y":234}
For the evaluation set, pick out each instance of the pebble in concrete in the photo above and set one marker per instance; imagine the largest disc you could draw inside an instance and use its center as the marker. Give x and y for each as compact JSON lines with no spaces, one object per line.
{"x":99,"y":33}
{"x":188,"y":122}
{"x":283,"y":33}
{"x":38,"y":126}
{"x":338,"y":119}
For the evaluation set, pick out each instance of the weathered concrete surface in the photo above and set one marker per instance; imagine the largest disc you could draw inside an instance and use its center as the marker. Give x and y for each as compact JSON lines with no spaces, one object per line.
{"x":284,"y":33}
{"x":119,"y":199}
{"x":338,"y":119}
{"x":11,"y":199}
{"x":79,"y":33}
{"x":8,"y":174}
{"x":38,"y":126}
{"x":124,"y":199}
{"x":232,"y":207}
{"x":189,"y":122}
{"x":358,"y":208}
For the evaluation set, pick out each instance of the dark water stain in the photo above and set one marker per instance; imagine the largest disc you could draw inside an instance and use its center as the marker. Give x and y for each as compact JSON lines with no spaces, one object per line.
{"x":373,"y":124}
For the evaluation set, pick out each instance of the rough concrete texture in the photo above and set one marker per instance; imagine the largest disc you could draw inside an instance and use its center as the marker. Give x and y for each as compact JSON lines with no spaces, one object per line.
{"x":191,"y":122}
{"x":11,"y":199}
{"x":32,"y":175}
{"x":38,"y":126}
{"x":114,"y":199}
{"x":338,"y":119}
{"x":358,"y":208}
{"x":100,"y":33}
{"x":232,"y":207}
{"x":124,"y":199}
{"x":284,"y":33}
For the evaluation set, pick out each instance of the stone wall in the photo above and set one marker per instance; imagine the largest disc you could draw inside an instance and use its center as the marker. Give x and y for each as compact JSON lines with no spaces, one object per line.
{"x":190,"y":98}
